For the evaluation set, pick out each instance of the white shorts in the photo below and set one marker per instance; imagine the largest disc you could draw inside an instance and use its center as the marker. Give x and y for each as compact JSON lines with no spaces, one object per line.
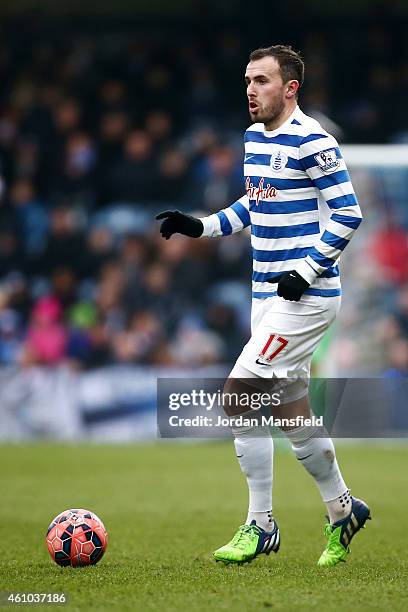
{"x":284,"y":337}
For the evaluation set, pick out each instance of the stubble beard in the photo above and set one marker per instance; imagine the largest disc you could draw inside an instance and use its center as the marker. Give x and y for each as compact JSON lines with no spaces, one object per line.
{"x":270,"y":114}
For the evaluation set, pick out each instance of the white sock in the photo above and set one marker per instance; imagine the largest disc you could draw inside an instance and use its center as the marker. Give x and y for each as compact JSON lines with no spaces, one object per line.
{"x":315,"y":451}
{"x":262,"y":519}
{"x":340,"y":507}
{"x":254,"y":449}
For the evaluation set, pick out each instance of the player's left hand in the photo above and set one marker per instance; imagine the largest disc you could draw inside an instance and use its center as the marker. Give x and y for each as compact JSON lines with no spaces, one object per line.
{"x":291,"y":285}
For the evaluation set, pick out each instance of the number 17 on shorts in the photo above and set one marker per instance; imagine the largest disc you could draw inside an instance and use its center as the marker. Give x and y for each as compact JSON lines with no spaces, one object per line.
{"x":274,"y":345}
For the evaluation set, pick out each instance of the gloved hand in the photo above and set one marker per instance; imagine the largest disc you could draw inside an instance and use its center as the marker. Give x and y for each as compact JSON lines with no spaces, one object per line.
{"x":177,"y":222}
{"x":291,"y":285}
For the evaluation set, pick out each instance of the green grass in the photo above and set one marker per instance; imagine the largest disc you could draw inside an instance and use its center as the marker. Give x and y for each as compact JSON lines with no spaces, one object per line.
{"x":168,"y":506}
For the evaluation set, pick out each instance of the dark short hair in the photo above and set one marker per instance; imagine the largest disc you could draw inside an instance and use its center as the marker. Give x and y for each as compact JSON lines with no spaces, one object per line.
{"x":290,"y":62}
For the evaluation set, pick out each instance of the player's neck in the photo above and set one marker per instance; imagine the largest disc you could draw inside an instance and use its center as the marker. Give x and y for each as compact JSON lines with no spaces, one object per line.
{"x":283,"y":117}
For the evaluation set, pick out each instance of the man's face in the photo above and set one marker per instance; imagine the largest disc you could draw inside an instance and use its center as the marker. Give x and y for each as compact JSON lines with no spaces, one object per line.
{"x":265,"y":90}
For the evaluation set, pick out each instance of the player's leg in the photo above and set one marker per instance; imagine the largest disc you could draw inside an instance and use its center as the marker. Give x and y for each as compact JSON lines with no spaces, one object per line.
{"x":268,"y":317}
{"x":282,"y":346}
{"x":314,"y":449}
{"x":254,"y":450}
{"x":257,"y":461}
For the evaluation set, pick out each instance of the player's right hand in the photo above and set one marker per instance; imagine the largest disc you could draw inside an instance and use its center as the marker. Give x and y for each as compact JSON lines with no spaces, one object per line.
{"x":177,"y":222}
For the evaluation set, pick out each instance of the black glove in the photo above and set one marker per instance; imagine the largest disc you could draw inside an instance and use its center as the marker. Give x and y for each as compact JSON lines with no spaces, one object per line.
{"x":177,"y":222}
{"x":291,"y":285}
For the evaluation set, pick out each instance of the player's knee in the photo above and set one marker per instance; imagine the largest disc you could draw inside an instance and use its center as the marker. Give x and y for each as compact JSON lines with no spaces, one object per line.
{"x":229,"y":399}
{"x":236,"y":397}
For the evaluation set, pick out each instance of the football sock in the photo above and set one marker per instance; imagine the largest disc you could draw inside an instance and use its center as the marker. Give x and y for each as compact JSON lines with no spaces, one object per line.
{"x":262,"y":519}
{"x":254,"y":450}
{"x":315,"y":451}
{"x":339,"y":508}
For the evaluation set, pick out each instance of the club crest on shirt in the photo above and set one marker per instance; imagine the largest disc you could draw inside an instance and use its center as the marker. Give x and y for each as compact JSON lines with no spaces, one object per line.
{"x":327,"y":161}
{"x":279,"y":159}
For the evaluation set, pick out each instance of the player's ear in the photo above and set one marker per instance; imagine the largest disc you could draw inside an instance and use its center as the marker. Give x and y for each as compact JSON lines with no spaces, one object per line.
{"x":292,"y":88}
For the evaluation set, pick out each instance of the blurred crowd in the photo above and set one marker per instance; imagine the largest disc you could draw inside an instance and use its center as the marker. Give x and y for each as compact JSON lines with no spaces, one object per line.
{"x":101,"y":294}
{"x":100,"y":129}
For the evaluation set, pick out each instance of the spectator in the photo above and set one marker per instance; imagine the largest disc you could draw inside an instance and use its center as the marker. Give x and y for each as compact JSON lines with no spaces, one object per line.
{"x":133,"y":178}
{"x":389,"y":247}
{"x":10,"y":331}
{"x":65,"y":246}
{"x":46,"y":340}
{"x":31,"y":216}
{"x":75,"y":181}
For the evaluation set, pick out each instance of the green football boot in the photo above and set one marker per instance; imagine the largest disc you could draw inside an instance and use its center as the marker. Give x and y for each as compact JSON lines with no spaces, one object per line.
{"x":340,"y":534}
{"x":249,"y":542}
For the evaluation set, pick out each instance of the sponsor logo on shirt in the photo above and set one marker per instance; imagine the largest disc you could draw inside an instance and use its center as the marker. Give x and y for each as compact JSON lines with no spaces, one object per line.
{"x":261,"y":192}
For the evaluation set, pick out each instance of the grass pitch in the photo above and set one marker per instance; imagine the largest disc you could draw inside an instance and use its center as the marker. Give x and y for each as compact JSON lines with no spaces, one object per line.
{"x":168,"y":506}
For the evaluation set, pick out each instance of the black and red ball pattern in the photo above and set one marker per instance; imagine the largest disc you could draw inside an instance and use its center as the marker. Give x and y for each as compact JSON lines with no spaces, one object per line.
{"x":76,"y":538}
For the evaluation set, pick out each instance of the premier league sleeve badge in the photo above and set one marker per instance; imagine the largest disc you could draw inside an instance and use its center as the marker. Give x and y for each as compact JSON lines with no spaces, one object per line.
{"x":327,"y":161}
